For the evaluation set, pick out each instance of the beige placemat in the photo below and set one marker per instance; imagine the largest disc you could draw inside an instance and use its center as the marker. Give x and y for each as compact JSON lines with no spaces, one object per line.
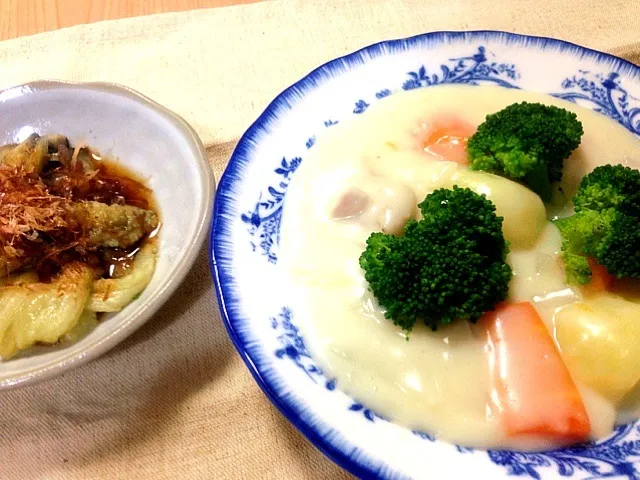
{"x":175,"y":400}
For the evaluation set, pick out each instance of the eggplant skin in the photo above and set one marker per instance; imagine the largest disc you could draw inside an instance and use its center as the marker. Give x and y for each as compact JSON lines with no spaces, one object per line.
{"x":115,"y":226}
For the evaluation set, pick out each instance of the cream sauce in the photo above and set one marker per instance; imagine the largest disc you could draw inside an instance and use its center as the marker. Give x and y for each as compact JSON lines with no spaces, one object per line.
{"x":437,"y":381}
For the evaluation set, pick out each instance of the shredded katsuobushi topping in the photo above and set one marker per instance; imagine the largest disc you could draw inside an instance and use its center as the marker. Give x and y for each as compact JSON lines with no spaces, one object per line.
{"x":56,"y":200}
{"x":29,"y":214}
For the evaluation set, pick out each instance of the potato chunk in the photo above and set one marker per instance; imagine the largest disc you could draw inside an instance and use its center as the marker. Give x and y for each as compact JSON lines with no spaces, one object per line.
{"x":42,"y":312}
{"x":599,"y":342}
{"x":523,"y":211}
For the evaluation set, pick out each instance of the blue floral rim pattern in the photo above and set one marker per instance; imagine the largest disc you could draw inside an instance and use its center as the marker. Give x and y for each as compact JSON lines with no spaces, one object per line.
{"x":603,"y":92}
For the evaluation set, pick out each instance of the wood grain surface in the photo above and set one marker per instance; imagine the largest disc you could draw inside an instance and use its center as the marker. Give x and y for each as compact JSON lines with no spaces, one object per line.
{"x":26,"y":17}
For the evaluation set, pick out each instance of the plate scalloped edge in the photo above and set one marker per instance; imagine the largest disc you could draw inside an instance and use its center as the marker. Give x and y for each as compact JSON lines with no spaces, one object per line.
{"x":601,"y":91}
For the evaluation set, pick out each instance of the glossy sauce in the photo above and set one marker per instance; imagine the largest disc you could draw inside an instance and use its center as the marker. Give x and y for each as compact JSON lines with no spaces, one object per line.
{"x":108,"y":182}
{"x":437,"y":381}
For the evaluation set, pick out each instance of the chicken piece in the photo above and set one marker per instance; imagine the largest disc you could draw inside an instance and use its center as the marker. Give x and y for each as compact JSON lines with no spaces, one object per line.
{"x":353,"y":203}
{"x":113,"y":225}
{"x":32,"y":154}
{"x":386,"y":208}
{"x":395,"y":205}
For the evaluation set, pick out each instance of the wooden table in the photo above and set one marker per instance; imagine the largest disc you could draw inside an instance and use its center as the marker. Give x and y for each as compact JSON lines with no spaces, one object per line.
{"x":26,"y":17}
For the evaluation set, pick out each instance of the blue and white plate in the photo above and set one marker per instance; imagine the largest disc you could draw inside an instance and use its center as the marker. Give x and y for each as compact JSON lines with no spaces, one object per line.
{"x":246,"y":231}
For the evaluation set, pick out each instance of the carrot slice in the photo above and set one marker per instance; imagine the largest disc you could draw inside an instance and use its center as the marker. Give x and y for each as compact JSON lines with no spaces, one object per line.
{"x":531,"y":386}
{"x":601,"y":279}
{"x":449,"y":146}
{"x":446,"y":137}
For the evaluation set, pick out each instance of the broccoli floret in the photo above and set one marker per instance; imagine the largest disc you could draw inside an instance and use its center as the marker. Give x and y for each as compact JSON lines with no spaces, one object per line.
{"x":528,"y":142}
{"x":577,"y":269}
{"x":610,"y":186}
{"x":619,"y":251}
{"x":582,"y":233}
{"x":448,"y":265}
{"x":606,"y":225}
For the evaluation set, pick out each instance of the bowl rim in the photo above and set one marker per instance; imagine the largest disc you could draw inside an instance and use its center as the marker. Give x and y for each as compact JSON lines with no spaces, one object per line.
{"x":134,"y":321}
{"x":223,"y":279}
